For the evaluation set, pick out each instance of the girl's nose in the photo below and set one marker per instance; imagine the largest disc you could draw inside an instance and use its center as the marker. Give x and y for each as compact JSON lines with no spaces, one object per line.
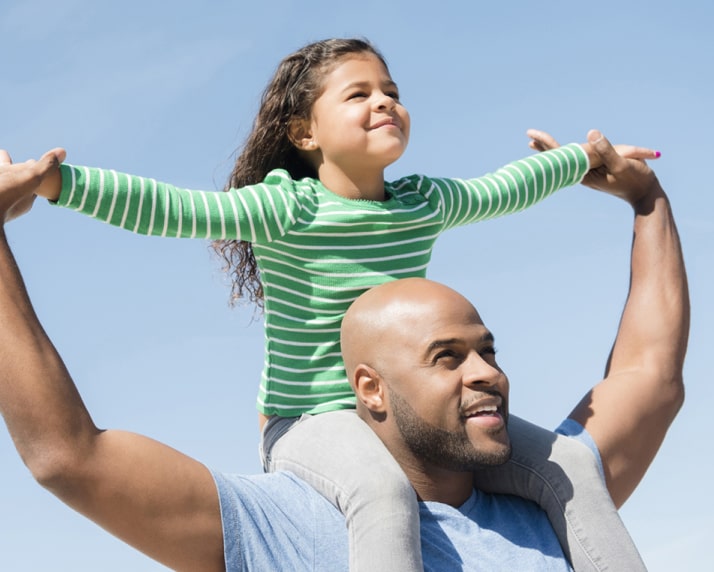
{"x":385,"y":102}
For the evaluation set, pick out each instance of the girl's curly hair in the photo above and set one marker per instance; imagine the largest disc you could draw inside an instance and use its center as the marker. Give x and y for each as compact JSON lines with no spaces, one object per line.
{"x":290,"y":95}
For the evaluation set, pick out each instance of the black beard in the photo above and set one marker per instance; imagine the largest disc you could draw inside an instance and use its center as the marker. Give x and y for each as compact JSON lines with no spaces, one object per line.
{"x":450,"y":450}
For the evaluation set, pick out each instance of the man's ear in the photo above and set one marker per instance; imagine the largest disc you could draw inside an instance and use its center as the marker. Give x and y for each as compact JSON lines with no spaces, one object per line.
{"x":300,"y":134}
{"x":369,"y":388}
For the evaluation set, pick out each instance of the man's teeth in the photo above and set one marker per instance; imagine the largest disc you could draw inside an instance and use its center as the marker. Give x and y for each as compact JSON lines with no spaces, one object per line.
{"x":484,"y":409}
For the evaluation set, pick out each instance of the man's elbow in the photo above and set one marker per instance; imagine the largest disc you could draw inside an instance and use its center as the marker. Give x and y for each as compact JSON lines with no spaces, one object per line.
{"x":662,"y":383}
{"x":58,"y":467}
{"x":671,"y":395}
{"x":678,"y":394}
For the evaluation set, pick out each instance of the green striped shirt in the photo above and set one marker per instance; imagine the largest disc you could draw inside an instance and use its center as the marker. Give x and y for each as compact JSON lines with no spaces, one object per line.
{"x":317,"y":251}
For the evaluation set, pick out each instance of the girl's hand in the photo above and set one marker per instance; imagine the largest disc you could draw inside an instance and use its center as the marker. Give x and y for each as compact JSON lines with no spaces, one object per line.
{"x":542,"y":141}
{"x":621,"y":171}
{"x":19,"y":182}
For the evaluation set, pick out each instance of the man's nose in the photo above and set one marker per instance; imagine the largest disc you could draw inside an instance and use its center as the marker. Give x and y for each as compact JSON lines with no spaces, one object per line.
{"x":477,"y":371}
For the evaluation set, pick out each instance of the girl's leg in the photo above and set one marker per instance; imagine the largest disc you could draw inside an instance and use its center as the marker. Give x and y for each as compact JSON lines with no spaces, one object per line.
{"x":543,"y":468}
{"x":345,"y":461}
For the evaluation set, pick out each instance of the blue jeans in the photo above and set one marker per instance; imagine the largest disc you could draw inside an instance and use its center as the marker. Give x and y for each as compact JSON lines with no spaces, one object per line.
{"x":344,"y":460}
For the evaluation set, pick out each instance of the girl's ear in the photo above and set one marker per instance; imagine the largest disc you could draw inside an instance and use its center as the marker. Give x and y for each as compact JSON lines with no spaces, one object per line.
{"x":369,"y":388}
{"x":300,"y":134}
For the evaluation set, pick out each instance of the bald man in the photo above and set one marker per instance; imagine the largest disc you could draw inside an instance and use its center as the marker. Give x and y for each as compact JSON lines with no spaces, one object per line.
{"x":430,"y":389}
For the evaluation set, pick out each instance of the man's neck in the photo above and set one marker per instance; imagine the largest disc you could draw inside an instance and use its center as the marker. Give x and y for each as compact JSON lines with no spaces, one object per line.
{"x":439,"y":485}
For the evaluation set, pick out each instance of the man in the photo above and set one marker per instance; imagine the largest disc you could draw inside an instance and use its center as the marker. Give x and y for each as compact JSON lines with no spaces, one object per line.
{"x":430,"y":389}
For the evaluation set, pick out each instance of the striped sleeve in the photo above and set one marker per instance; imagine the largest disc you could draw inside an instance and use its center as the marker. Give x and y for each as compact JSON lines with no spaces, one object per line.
{"x":257,"y":213}
{"x":510,"y":189}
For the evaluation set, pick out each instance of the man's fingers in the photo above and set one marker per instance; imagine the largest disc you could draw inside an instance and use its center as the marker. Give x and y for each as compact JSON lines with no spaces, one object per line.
{"x":51,"y":160}
{"x":20,"y":180}
{"x":604,"y":149}
{"x":20,"y":208}
{"x":58,"y":152}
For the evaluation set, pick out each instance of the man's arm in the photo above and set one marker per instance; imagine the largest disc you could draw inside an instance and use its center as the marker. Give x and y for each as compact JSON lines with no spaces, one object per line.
{"x":149,"y":495}
{"x":629,"y":412}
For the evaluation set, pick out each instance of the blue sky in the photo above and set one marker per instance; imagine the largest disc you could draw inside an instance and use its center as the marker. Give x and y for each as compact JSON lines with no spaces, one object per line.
{"x":169,"y":90}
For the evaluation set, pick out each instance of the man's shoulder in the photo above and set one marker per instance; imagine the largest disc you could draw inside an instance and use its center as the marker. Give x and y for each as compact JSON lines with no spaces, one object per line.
{"x":270,"y":491}
{"x":277,"y":521}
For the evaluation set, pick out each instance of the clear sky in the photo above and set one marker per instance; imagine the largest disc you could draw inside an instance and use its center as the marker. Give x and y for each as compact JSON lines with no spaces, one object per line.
{"x":169,"y":90}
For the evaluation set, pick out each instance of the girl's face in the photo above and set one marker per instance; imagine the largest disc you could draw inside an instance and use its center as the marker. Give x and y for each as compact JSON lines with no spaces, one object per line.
{"x":358,"y":123}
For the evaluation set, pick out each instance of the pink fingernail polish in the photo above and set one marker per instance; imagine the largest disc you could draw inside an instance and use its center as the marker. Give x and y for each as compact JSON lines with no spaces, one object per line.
{"x":657,"y":154}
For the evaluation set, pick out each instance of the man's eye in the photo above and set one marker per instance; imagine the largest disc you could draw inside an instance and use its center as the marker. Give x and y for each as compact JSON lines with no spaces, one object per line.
{"x":489,"y":351}
{"x":445,"y":354}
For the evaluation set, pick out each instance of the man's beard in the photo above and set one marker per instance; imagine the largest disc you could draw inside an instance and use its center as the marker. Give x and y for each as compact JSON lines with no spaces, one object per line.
{"x":447,"y":449}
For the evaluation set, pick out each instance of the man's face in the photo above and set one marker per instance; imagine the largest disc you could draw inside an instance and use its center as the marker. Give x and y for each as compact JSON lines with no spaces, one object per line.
{"x":447,"y":395}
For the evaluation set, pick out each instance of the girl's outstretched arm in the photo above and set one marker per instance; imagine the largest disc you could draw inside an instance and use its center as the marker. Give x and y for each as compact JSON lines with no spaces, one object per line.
{"x":542,"y":141}
{"x":255,"y":213}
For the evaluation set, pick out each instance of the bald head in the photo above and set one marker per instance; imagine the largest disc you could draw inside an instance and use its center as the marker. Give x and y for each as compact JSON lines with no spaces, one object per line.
{"x":382,"y":319}
{"x":421,"y":361}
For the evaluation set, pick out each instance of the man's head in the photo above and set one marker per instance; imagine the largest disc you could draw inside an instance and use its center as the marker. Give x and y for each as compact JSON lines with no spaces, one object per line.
{"x":423,"y":367}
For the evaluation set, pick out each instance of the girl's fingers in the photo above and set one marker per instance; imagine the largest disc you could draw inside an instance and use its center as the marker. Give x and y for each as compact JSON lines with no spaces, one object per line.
{"x":634,"y":152}
{"x":541,"y":141}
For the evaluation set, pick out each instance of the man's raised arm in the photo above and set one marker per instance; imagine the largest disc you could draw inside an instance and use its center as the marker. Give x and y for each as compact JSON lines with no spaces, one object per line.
{"x":629,"y":412}
{"x":153,"y":497}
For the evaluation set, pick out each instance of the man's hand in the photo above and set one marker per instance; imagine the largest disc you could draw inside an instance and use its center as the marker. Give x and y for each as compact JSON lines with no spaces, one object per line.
{"x":18,"y":182}
{"x":618,"y":170}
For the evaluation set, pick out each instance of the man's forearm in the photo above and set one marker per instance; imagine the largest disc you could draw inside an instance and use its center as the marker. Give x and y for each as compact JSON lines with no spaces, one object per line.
{"x":654,"y":328}
{"x":629,"y":412}
{"x":40,"y":404}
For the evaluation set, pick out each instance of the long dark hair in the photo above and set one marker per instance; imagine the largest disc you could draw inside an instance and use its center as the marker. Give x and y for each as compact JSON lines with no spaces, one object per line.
{"x":290,"y":95}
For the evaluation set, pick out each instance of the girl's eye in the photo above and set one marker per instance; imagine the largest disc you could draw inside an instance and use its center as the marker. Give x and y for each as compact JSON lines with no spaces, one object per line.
{"x":394,"y":95}
{"x":357,"y":95}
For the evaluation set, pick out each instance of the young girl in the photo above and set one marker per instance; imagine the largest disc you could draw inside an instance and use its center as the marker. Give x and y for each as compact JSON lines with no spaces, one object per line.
{"x":306,"y":225}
